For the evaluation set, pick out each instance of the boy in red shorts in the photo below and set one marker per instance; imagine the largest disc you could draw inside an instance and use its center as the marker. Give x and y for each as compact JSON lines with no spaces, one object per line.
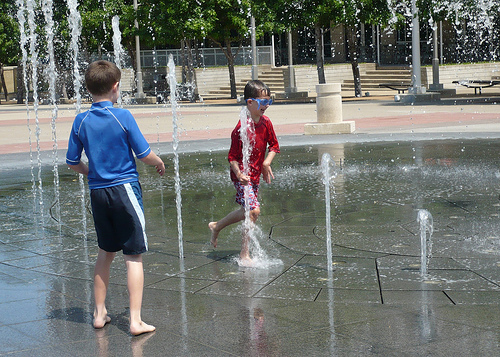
{"x":257,"y":98}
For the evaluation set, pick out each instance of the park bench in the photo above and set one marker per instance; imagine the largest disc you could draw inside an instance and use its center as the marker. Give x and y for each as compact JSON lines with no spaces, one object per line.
{"x":399,"y":86}
{"x":477,"y":84}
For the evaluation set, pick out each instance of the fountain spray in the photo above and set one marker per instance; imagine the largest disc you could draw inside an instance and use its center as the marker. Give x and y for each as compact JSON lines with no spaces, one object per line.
{"x":426,"y":225}
{"x":175,"y":135}
{"x":75,"y":24}
{"x":246,"y":133}
{"x":23,"y":43}
{"x":326,"y":162}
{"x":52,"y":75}
{"x":34,"y":81}
{"x":117,"y":48}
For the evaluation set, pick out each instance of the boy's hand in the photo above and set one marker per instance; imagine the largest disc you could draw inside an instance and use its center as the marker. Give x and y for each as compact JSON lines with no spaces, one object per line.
{"x":81,"y":168}
{"x":244,"y":179}
{"x":160,"y":169}
{"x":267,"y":173}
{"x":153,"y":160}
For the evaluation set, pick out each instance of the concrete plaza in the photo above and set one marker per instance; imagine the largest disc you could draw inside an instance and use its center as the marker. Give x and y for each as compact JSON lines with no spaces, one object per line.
{"x":369,"y":305}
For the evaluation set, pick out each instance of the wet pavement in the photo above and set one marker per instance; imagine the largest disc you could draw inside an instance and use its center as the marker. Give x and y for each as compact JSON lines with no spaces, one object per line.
{"x":374,"y":300}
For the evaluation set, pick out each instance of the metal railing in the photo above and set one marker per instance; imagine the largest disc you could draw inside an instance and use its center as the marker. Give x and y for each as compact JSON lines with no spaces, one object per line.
{"x":206,"y":57}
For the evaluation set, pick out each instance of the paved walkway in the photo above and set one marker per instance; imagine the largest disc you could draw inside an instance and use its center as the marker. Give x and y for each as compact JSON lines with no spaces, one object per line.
{"x":218,"y":309}
{"x":216,"y":119}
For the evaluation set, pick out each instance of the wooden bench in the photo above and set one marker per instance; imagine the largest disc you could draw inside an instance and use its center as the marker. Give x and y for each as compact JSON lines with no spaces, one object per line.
{"x":477,"y":84}
{"x":399,"y":86}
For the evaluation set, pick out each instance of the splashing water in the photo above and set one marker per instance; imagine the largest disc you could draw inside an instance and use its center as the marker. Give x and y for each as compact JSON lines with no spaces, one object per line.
{"x":172,"y":81}
{"x":23,"y":43}
{"x":426,"y":225}
{"x":52,"y":75}
{"x":117,"y":38}
{"x":326,"y":163}
{"x":34,"y":81}
{"x":247,"y":132}
{"x":117,"y":48}
{"x":75,"y":24}
{"x":260,"y":258}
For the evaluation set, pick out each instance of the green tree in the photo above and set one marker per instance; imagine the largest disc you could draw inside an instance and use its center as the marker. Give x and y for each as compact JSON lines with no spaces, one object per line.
{"x":477,"y":25}
{"x":166,"y":23}
{"x":9,"y":39}
{"x":322,"y":14}
{"x":355,"y":12}
{"x":230,"y":26}
{"x":311,"y":14}
{"x":97,"y":33}
{"x":226,"y":23}
{"x":96,"y":37}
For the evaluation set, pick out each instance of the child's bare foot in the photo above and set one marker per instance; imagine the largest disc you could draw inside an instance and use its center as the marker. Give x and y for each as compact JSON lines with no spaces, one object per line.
{"x":245,"y":261}
{"x":137,"y":344}
{"x":215,"y":233}
{"x":140,"y":328}
{"x":100,"y":322}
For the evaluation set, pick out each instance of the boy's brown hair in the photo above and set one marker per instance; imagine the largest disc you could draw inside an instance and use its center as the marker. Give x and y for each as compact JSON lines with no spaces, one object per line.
{"x":101,"y":76}
{"x":256,"y":88}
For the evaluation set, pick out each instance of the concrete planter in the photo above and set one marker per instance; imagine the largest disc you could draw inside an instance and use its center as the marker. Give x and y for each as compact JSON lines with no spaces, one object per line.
{"x":329,"y":112}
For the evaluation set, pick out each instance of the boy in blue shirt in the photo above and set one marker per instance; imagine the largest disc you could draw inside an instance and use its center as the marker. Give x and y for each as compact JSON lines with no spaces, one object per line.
{"x":109,"y":135}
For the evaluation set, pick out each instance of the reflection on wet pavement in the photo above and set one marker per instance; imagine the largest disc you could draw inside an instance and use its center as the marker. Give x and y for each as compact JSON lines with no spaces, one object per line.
{"x":374,"y":301}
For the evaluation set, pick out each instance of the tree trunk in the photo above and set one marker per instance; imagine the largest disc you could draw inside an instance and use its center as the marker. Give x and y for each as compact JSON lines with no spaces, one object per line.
{"x":320,"y":61}
{"x":190,"y":91}
{"x":353,"y":49}
{"x":130,"y":48}
{"x":197,"y":58}
{"x":4,"y":85}
{"x":64,"y":85}
{"x":20,"y":83}
{"x":228,"y":52}
{"x":230,"y":64}
{"x":2,"y":81}
{"x":183,"y":61}
{"x":191,"y":74}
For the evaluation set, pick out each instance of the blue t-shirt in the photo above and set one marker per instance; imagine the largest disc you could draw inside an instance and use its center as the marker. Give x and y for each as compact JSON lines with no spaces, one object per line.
{"x":108,"y":135}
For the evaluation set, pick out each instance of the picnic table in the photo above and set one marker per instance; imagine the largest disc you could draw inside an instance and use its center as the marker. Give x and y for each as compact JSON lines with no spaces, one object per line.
{"x":477,"y":84}
{"x":399,"y":86}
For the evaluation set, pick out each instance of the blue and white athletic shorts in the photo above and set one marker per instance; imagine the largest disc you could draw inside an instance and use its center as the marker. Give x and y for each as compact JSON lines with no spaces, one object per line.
{"x":119,"y":218}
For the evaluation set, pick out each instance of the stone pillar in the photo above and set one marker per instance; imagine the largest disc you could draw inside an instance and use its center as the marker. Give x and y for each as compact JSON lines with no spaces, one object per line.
{"x":415,"y":52}
{"x":140,"y":91}
{"x":255,"y":69}
{"x":435,"y":86}
{"x":329,"y":112}
{"x":291,"y":71}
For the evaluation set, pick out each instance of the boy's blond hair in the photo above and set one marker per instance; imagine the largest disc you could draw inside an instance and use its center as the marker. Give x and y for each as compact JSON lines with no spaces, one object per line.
{"x":101,"y":76}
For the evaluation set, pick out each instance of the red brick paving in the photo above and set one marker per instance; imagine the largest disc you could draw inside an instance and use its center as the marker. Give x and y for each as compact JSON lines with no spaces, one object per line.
{"x":377,"y":123}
